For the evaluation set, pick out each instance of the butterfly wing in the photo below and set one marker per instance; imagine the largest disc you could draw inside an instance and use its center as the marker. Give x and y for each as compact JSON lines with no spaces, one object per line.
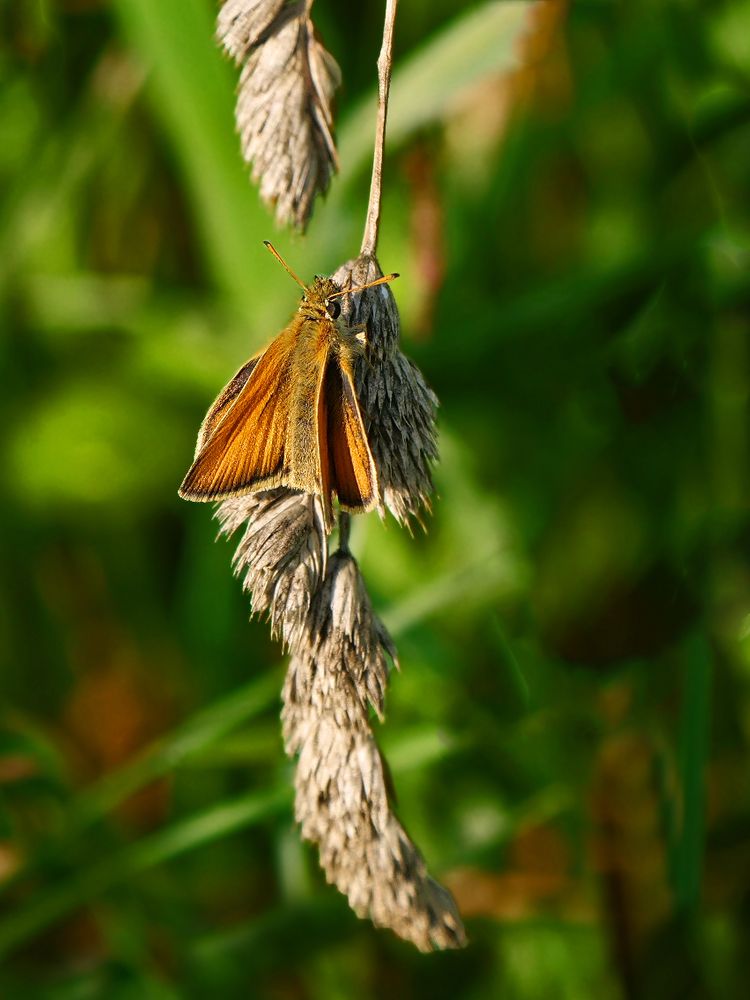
{"x":244,"y":441}
{"x":351,"y":466}
{"x":321,"y":438}
{"x":223,"y":401}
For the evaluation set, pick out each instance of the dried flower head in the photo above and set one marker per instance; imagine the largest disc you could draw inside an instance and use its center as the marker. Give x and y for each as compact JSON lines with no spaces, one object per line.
{"x":342,"y":796}
{"x":340,"y":649}
{"x":400,"y":409}
{"x":284,"y":101}
{"x":319,"y":606}
{"x":282,"y":553}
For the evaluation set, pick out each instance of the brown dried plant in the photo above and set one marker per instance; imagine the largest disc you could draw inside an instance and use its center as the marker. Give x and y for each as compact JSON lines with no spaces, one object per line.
{"x":284,"y":101}
{"x":317,"y":602}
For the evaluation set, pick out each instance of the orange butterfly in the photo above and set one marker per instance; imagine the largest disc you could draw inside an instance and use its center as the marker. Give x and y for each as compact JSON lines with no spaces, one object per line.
{"x":290,"y":416}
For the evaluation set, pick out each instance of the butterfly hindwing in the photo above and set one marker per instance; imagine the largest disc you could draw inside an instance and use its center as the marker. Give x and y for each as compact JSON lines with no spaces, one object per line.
{"x":322,"y":437}
{"x":352,"y":468}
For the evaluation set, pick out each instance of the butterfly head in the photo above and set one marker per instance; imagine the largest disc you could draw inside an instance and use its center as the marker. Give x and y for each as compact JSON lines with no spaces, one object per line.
{"x":320,"y":300}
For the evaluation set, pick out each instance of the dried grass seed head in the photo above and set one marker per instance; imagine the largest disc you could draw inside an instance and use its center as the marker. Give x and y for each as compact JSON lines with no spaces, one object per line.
{"x":281,"y":555}
{"x":241,"y":24}
{"x":343,"y":797}
{"x":339,"y":667}
{"x":399,"y":407}
{"x":284,"y":102}
{"x":345,"y":638}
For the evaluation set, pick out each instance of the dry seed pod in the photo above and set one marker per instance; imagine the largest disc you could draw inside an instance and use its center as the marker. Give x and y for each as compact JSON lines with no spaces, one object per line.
{"x":282,"y":554}
{"x":400,"y":409}
{"x":284,"y":101}
{"x":342,"y":788}
{"x":340,"y":649}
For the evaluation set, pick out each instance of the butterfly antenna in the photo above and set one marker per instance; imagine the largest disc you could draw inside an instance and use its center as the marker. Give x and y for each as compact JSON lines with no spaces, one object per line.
{"x":361,"y":288}
{"x":283,"y":263}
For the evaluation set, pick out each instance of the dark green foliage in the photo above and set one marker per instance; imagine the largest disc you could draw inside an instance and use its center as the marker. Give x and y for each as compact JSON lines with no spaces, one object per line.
{"x":569,"y":733}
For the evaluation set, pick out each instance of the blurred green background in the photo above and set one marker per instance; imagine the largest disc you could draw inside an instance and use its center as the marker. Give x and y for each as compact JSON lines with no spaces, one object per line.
{"x":569,"y":733}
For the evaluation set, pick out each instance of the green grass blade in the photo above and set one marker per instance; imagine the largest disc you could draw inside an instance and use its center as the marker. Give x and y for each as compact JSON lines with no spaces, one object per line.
{"x":194,"y":737}
{"x":197,"y":734}
{"x":473,"y":581}
{"x":177,"y":839}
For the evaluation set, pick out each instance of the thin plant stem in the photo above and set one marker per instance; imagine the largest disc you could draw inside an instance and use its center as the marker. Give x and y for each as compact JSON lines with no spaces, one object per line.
{"x":345,"y":523}
{"x":385,"y":69}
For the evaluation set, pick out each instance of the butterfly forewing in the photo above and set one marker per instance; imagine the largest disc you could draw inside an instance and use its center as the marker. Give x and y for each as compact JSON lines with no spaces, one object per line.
{"x":244,"y":449}
{"x":224,"y":400}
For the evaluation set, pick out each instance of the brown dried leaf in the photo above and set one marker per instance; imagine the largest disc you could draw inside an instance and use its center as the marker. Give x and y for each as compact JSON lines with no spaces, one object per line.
{"x":284,"y":101}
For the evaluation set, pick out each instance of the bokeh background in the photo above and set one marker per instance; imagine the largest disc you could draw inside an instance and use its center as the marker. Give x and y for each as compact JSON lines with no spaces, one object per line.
{"x":567,"y":201}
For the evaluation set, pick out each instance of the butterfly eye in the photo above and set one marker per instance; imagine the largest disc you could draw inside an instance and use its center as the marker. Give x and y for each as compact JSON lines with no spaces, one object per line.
{"x":333,"y":308}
